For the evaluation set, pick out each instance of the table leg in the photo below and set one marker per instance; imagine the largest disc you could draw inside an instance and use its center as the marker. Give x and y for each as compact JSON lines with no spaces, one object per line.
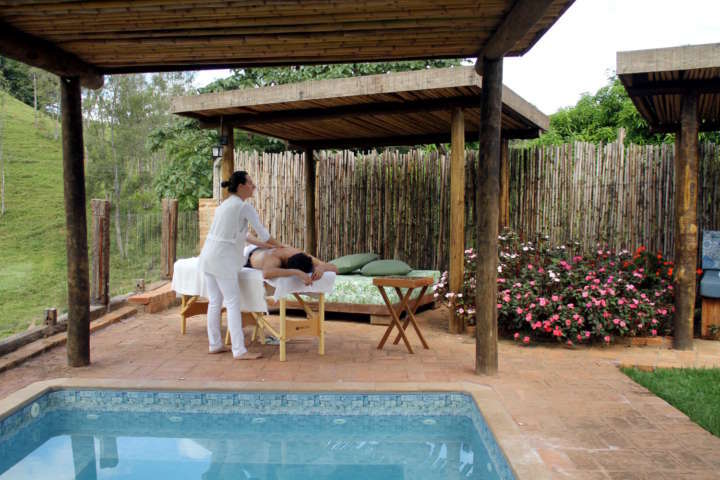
{"x":283,"y":327}
{"x":321,"y":326}
{"x":403,"y":303}
{"x":394,"y":321}
{"x":411,"y":316}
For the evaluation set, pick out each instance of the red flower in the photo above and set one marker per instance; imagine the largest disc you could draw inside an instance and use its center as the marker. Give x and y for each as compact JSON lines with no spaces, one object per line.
{"x":699,"y":271}
{"x":670,"y":270}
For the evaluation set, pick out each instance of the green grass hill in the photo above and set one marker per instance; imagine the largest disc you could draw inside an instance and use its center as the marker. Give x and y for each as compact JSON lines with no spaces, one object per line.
{"x":32,"y":230}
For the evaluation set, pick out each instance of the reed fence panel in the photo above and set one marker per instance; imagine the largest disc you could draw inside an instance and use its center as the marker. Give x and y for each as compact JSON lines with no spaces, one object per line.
{"x":396,"y":204}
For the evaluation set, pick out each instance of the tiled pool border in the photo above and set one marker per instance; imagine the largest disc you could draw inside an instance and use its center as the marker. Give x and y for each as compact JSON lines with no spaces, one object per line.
{"x":497,"y":426}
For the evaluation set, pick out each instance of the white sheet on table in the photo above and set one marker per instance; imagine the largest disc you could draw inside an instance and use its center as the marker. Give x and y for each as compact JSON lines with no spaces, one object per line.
{"x":187,"y":280}
{"x":284,"y":286}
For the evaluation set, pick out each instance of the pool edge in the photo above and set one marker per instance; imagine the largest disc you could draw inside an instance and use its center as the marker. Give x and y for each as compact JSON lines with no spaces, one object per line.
{"x":524,"y":460}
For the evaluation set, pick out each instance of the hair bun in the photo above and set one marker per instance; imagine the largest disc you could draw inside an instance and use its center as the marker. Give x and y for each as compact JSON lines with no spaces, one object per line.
{"x":224,"y":183}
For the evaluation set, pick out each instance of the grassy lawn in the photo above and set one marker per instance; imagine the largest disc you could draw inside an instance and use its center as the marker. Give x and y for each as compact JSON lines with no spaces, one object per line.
{"x":695,"y":392}
{"x":32,"y":231}
{"x":33,"y":265}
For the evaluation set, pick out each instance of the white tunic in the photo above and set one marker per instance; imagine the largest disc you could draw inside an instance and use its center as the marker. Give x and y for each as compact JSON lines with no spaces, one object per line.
{"x":222,"y":253}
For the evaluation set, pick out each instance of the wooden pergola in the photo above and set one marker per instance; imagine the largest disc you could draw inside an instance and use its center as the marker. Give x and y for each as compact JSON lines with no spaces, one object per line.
{"x":82,"y":41}
{"x":678,"y":90}
{"x":408,"y":108}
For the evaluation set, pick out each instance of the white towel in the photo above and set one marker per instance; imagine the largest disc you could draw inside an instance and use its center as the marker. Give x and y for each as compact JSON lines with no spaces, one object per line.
{"x":286,"y":285}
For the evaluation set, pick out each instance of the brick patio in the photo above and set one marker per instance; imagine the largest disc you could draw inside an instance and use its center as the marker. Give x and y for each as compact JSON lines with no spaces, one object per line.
{"x":583,"y":416}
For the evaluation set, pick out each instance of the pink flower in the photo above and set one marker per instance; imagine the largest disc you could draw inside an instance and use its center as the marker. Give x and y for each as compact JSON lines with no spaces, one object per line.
{"x":500,"y":280}
{"x":587,"y":334}
{"x":526,"y":340}
{"x":554,"y":298}
{"x":532,"y":283}
{"x":585,"y":294}
{"x":579,"y":337}
{"x":606,"y":338}
{"x":623,"y":324}
{"x":519,"y":311}
{"x":568,"y":322}
{"x":516,"y":336}
{"x":506,"y":298}
{"x":621,"y":301}
{"x":529,"y":267}
{"x":499,"y":306}
{"x":460,"y":311}
{"x":569,"y":342}
{"x":528,"y":317}
{"x":653,"y":331}
{"x":570,"y":306}
{"x":616,"y":321}
{"x":542,"y":301}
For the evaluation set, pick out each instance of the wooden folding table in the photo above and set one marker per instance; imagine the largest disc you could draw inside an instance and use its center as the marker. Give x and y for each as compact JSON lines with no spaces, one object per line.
{"x":410,"y":283}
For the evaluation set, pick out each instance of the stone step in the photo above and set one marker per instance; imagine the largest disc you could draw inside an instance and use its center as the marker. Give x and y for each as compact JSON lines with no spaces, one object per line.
{"x":155,"y":300}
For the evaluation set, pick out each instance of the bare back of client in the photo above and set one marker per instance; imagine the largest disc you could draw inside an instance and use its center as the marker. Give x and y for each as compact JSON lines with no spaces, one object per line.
{"x":288,"y":261}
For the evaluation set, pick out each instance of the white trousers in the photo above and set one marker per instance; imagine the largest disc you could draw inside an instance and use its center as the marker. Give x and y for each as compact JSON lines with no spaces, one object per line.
{"x":226,"y":289}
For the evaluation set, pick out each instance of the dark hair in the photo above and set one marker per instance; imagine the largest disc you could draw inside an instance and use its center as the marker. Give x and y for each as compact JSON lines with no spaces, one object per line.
{"x":300,"y":261}
{"x":236,"y":179}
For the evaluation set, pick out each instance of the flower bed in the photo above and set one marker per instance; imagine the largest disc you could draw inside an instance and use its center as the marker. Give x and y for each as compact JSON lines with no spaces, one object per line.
{"x":547,"y":293}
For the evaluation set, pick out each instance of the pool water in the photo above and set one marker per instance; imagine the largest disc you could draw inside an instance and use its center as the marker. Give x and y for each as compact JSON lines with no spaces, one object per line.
{"x":188,"y":435}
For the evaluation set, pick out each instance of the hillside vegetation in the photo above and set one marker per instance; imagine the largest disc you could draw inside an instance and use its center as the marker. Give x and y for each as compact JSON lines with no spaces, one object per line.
{"x":32,"y":230}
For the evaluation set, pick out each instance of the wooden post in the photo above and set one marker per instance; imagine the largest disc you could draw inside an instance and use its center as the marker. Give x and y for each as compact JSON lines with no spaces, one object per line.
{"x":99,"y":293}
{"x":50,"y":317}
{"x":487,"y":211}
{"x":78,"y":336}
{"x":457,"y":212}
{"x":169,"y":235}
{"x":686,"y":180}
{"x":504,"y":185}
{"x":310,"y":228}
{"x":228,"y":156}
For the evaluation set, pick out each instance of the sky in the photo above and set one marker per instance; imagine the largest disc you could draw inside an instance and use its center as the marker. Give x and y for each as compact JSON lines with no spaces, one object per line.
{"x":577,"y":54}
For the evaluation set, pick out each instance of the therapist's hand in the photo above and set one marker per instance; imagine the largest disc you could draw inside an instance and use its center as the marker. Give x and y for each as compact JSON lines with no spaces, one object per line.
{"x":306,"y":279}
{"x":317,"y":273}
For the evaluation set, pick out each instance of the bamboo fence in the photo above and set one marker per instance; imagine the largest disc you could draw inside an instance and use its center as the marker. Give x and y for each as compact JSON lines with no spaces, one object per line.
{"x":397,"y":204}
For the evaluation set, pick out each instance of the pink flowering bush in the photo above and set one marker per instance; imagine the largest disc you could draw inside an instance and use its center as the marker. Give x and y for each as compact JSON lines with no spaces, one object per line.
{"x":555,"y":293}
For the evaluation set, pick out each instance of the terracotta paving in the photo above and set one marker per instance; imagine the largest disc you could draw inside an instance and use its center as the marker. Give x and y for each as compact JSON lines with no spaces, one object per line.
{"x":584,"y":417}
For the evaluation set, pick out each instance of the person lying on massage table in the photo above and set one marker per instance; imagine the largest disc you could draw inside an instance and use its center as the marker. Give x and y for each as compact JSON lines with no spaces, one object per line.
{"x":285,"y":261}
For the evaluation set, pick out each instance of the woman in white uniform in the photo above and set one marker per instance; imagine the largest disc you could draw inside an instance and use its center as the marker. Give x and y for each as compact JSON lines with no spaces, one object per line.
{"x":222,"y":258}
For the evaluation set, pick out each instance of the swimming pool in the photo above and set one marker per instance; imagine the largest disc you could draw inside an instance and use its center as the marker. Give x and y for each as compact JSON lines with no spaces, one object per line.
{"x":89,"y":434}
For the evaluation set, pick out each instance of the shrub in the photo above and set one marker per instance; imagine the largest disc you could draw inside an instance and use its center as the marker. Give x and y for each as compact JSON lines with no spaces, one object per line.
{"x":556,"y":293}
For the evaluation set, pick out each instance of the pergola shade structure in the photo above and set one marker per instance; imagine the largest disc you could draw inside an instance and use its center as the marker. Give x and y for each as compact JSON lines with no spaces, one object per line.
{"x":81,"y":41}
{"x":143,"y":36}
{"x":678,"y":90}
{"x":657,"y":80}
{"x":407,"y":108}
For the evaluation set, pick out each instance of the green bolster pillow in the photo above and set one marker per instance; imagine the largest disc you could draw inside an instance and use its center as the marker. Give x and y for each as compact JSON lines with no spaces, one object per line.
{"x":350,"y":263}
{"x":380,"y":268}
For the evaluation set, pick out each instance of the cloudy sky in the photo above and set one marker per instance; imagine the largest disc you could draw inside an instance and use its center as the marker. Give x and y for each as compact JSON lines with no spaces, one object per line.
{"x":578,"y":53}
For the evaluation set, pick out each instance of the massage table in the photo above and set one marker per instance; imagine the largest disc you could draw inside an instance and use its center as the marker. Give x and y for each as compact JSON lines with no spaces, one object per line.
{"x":189,"y":284}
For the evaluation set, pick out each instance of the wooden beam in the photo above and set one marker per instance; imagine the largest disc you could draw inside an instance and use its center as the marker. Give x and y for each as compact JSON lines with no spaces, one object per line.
{"x":516,"y":24}
{"x":332,"y":113}
{"x":228,"y":155}
{"x":310,"y":227}
{"x":371,"y":142}
{"x":673,"y":128}
{"x":487,"y":210}
{"x":504,"y":185}
{"x":673,"y":87}
{"x":457,"y":212}
{"x":78,"y":337}
{"x":40,"y":53}
{"x":686,"y":228}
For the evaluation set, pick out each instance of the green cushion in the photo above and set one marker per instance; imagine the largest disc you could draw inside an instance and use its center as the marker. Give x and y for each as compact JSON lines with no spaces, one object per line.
{"x":350,"y":263}
{"x":380,"y":268}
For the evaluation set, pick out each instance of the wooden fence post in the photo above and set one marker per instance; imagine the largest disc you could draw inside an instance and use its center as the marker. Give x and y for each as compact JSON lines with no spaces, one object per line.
{"x":457,"y":214}
{"x":99,"y":282}
{"x":169,"y":235}
{"x":50,"y":317}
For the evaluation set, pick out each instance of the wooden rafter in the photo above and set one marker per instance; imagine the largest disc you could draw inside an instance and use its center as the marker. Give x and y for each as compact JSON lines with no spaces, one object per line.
{"x":42,"y":54}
